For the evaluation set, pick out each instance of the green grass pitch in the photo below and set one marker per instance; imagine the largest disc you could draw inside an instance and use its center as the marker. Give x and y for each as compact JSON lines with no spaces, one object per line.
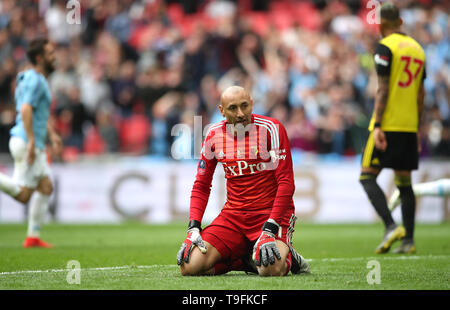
{"x":134,"y":256}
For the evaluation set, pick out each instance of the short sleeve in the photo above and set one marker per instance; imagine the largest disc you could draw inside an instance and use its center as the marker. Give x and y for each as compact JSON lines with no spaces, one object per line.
{"x":383,"y":60}
{"x":29,"y":89}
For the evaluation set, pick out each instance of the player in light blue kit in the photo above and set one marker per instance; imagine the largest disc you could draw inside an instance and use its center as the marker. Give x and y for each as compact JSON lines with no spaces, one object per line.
{"x":31,"y":180}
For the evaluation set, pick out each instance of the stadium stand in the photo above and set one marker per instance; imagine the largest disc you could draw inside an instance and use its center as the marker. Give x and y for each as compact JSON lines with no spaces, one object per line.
{"x":133,"y":69}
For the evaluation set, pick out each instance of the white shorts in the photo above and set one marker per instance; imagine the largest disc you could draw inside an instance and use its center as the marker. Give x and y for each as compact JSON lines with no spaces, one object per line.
{"x":25,"y":175}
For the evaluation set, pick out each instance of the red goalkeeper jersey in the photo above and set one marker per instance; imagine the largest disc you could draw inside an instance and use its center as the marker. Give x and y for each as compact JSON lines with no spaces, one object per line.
{"x":257,"y":165}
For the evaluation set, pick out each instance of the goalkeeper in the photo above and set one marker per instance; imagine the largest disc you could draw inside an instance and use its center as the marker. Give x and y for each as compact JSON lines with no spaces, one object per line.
{"x":253,"y":232}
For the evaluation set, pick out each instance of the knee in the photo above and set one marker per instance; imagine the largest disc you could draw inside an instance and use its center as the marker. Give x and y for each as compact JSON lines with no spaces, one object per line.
{"x":190,"y":269}
{"x":46,"y":188}
{"x":369,"y":183}
{"x":275,"y":270}
{"x":402,"y":181}
{"x":367,"y":178}
{"x":23,"y":197}
{"x":185,"y":270}
{"x":197,"y":265}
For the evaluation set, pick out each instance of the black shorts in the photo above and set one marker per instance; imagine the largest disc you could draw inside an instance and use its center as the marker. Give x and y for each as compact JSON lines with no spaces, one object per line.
{"x":401,"y":152}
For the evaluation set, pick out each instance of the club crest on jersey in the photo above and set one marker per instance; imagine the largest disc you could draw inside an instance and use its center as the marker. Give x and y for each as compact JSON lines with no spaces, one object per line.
{"x":201,"y":166}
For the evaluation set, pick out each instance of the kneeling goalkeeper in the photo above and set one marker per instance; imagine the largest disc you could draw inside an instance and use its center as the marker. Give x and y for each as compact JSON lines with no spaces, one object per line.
{"x":253,"y":232}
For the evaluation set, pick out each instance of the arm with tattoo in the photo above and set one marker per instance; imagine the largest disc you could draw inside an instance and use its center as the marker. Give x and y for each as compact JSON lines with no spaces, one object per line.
{"x":381,"y":99}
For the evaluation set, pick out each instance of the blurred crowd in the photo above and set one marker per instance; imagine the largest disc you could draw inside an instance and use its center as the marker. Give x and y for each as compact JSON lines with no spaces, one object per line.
{"x":129,"y":70}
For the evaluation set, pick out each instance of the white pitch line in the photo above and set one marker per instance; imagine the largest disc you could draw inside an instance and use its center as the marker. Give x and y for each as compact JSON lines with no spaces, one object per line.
{"x":412,"y":257}
{"x":338,"y":259}
{"x":82,"y":269}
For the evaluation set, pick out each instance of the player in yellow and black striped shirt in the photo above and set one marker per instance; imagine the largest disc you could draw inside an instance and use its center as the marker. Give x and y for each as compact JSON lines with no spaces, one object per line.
{"x":393,"y":139}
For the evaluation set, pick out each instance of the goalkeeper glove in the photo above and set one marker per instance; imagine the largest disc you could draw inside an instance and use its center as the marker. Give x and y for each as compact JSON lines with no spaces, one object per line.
{"x":265,"y":249}
{"x":193,"y":239}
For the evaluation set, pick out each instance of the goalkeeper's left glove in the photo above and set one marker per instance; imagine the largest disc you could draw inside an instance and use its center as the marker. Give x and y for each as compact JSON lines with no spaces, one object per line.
{"x":193,"y":239}
{"x":265,"y":249}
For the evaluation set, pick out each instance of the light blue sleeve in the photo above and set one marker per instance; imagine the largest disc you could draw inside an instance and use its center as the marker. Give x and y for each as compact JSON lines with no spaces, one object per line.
{"x":29,"y":90}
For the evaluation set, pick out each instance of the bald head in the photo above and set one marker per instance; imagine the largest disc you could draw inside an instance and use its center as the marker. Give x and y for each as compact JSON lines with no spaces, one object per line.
{"x":236,"y":105}
{"x":233,"y":93}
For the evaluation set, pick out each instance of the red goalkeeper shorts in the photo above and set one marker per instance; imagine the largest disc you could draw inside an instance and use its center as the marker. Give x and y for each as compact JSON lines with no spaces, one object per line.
{"x":233,"y":233}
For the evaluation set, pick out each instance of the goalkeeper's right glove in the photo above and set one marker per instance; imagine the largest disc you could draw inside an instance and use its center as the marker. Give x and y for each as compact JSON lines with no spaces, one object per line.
{"x":193,"y":239}
{"x":265,"y":249}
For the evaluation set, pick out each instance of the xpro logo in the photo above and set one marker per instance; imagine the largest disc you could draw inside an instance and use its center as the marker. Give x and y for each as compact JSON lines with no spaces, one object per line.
{"x":242,"y":167}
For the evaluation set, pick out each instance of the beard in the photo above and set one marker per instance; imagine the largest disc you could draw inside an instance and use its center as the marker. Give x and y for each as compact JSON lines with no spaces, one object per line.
{"x":49,"y":67}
